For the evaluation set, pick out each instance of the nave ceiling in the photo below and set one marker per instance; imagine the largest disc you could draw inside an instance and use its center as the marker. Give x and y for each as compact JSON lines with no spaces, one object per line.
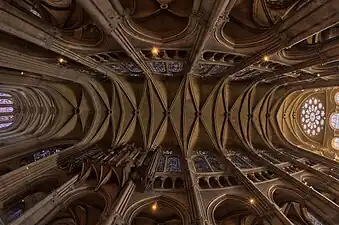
{"x":221,"y":73}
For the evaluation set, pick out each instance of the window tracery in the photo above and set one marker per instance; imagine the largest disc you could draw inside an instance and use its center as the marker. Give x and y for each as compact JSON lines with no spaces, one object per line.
{"x":312,"y":116}
{"x":42,"y":153}
{"x":5,"y":125}
{"x":240,"y":160}
{"x":6,"y":109}
{"x":5,"y":94}
{"x":6,"y":118}
{"x":205,"y":161}
{"x":201,"y":165}
{"x":173,"y":164}
{"x":5,"y":101}
{"x":169,"y":162}
{"x":334,"y":121}
{"x":45,"y":153}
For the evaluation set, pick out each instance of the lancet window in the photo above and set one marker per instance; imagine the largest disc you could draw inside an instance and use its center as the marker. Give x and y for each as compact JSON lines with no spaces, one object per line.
{"x":240,"y":160}
{"x":335,"y":143}
{"x":334,"y":121}
{"x":336,"y":98}
{"x":6,"y":110}
{"x":42,"y":153}
{"x":5,"y":101}
{"x":169,"y":162}
{"x":205,"y":161}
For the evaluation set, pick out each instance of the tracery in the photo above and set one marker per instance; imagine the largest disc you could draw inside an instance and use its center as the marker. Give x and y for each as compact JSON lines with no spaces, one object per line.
{"x":205,"y":161}
{"x":5,"y":94}
{"x":240,"y":160}
{"x":169,"y":161}
{"x":6,"y":107}
{"x":5,"y":102}
{"x":42,"y":153}
{"x":312,"y":116}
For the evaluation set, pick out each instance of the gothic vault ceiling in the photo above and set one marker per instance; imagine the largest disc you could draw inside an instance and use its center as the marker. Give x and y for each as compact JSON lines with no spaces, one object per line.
{"x":184,"y":74}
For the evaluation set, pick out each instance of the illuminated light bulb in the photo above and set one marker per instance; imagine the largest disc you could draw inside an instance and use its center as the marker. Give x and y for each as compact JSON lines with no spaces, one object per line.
{"x":155,"y":51}
{"x":61,"y":60}
{"x":22,"y":73}
{"x":266,"y":58}
{"x":318,"y":75}
{"x":154,"y":206}
{"x":252,"y":201}
{"x":27,"y":168}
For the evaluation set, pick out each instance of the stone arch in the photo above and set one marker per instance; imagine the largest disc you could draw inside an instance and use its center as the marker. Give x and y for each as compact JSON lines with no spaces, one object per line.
{"x":26,"y":198}
{"x":178,"y":207}
{"x":323,"y":188}
{"x":80,"y":204}
{"x":241,"y":208}
{"x":298,"y":207}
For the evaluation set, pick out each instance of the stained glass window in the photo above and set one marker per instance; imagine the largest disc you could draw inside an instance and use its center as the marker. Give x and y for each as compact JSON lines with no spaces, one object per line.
{"x":334,"y":120}
{"x":44,"y":153}
{"x":5,"y":94}
{"x":216,"y":165}
{"x":206,"y":161}
{"x":312,"y":116}
{"x":6,"y":101}
{"x":201,"y":164}
{"x":6,"y":118}
{"x":335,"y":143}
{"x":14,"y":215}
{"x":161,"y":164}
{"x":336,"y":98}
{"x":238,"y":162}
{"x":6,"y":109}
{"x":168,"y":162}
{"x":4,"y":125}
{"x":173,"y":164}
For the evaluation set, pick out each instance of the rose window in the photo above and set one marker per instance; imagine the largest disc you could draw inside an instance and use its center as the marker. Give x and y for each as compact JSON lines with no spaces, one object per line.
{"x":312,"y":116}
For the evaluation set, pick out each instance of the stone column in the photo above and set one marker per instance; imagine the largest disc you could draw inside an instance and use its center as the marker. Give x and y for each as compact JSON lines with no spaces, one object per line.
{"x":313,"y":199}
{"x":266,"y":208}
{"x":49,"y":206}
{"x":120,"y":205}
{"x":198,"y":211}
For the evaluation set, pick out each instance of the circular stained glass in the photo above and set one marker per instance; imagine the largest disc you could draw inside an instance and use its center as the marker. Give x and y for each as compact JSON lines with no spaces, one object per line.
{"x":312,"y":116}
{"x":336,"y":98}
{"x":335,"y":143}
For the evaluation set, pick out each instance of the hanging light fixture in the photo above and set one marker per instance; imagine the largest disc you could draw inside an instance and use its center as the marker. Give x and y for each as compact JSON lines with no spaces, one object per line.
{"x":155,"y":51}
{"x":154,"y":206}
